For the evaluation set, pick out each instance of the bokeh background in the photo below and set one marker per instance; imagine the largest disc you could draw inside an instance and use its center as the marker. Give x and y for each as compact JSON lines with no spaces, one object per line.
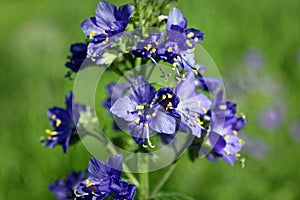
{"x":256,"y":46}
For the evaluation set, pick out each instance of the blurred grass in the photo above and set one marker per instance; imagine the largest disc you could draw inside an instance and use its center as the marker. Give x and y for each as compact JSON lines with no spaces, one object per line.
{"x":35,"y":38}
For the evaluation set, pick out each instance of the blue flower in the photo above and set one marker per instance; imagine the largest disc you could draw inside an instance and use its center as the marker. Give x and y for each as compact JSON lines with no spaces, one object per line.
{"x":104,"y":181}
{"x":79,"y":53}
{"x":192,"y":105}
{"x":108,"y":22}
{"x":64,"y":123}
{"x":64,"y":188}
{"x":223,"y":134}
{"x":141,"y":114}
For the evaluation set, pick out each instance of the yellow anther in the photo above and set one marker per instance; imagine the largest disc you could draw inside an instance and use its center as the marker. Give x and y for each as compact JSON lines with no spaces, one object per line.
{"x":169,"y":50}
{"x":241,"y":141}
{"x":188,"y":43}
{"x":49,"y":132}
{"x":191,"y":34}
{"x":146,"y":125}
{"x":92,"y":33}
{"x":139,"y":107}
{"x":103,"y":31}
{"x":173,"y":68}
{"x":176,"y":47}
{"x":196,"y":115}
{"x":148,"y":47}
{"x":53,"y":117}
{"x":223,"y":107}
{"x":199,"y":122}
{"x":237,"y":155}
{"x":204,"y":110}
{"x":196,"y":39}
{"x":193,"y":49}
{"x":153,"y":50}
{"x":169,"y":105}
{"x":170,"y":96}
{"x":174,"y":65}
{"x":106,"y":40}
{"x":49,"y":138}
{"x":175,"y":59}
{"x":137,"y":121}
{"x":163,"y":96}
{"x":88,"y":184}
{"x":227,"y":152}
{"x":226,"y":137}
{"x":156,"y":43}
{"x":234,"y":132}
{"x":154,"y":114}
{"x":57,"y":123}
{"x":198,"y":103}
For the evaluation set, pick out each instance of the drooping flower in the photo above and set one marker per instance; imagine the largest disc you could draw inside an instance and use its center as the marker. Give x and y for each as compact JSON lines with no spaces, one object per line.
{"x":224,"y":127}
{"x":105,"y":181}
{"x":108,"y":22}
{"x":79,"y":53}
{"x":64,"y":188}
{"x":141,"y":114}
{"x":64,"y":123}
{"x":192,"y":105}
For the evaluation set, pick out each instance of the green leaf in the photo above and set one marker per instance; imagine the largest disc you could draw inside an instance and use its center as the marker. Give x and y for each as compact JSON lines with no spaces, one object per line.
{"x":172,"y":196}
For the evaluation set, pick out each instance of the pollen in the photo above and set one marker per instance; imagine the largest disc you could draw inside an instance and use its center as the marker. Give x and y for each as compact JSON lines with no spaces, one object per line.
{"x":234,"y":132}
{"x":92,"y":33}
{"x":154,"y":114}
{"x":57,"y":123}
{"x":191,"y":34}
{"x":189,"y":43}
{"x":163,"y":96}
{"x":241,"y":141}
{"x":53,"y":117}
{"x":226,"y":137}
{"x":49,"y":132}
{"x":174,"y":65}
{"x":227,"y":152}
{"x":199,"y":122}
{"x":196,"y":39}
{"x":176,"y":47}
{"x":146,"y":125}
{"x":169,"y":50}
{"x":223,"y":107}
{"x":169,"y":105}
{"x":204,"y":110}
{"x":237,"y":155}
{"x":175,"y":59}
{"x":148,"y":47}
{"x":139,"y":107}
{"x":106,"y":40}
{"x":196,"y":115}
{"x":137,"y":121}
{"x":198,"y":103}
{"x":103,"y":31}
{"x":88,"y":184}
{"x":169,"y":96}
{"x":153,"y":50}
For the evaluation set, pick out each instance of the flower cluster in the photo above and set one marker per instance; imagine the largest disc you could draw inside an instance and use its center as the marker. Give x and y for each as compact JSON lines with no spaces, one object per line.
{"x":194,"y":105}
{"x":104,"y":181}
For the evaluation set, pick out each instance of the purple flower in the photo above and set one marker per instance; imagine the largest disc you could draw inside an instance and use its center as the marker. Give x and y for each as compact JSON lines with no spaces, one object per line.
{"x":208,"y":84}
{"x":141,"y":114}
{"x":192,"y":105}
{"x":271,"y":118}
{"x":64,"y":188}
{"x":79,"y":53}
{"x":148,"y":47}
{"x":223,"y":135}
{"x":108,"y":22}
{"x":105,"y":181}
{"x":64,"y":123}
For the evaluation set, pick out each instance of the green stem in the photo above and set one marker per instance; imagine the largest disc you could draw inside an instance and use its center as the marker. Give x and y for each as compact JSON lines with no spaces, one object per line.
{"x":144,"y":179}
{"x":163,"y":180}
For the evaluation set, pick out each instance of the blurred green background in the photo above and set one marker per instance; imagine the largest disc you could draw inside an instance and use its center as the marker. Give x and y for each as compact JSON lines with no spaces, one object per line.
{"x":35,"y":38}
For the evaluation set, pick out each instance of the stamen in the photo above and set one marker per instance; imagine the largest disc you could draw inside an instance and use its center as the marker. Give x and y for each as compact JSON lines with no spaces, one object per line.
{"x":154,"y":114}
{"x":148,"y":47}
{"x":141,"y":107}
{"x":49,"y":132}
{"x":137,"y":121}
{"x":88,"y":184}
{"x":169,"y":105}
{"x":196,"y":115}
{"x":223,"y":107}
{"x":148,"y":140}
{"x":198,"y":103}
{"x":58,"y":122}
{"x":153,"y":50}
{"x":204,"y":110}
{"x":169,"y":50}
{"x":237,"y":155}
{"x":176,"y":47}
{"x":241,"y":141}
{"x":92,"y":33}
{"x":189,"y":43}
{"x":234,"y":132}
{"x":191,"y":34}
{"x":163,"y":96}
{"x":200,"y":122}
{"x":196,"y":39}
{"x":226,"y":137}
{"x":170,"y":96}
{"x":227,"y":152}
{"x":53,"y":117}
{"x":105,"y":41}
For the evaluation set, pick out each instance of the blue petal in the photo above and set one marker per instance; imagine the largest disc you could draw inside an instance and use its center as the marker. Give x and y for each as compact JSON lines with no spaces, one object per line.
{"x":89,"y":25}
{"x":105,"y":14}
{"x":141,"y":91}
{"x":138,"y":132}
{"x":124,"y":12}
{"x":163,"y":123}
{"x":176,"y":18}
{"x":115,"y":165}
{"x":97,"y":170}
{"x":125,"y":109}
